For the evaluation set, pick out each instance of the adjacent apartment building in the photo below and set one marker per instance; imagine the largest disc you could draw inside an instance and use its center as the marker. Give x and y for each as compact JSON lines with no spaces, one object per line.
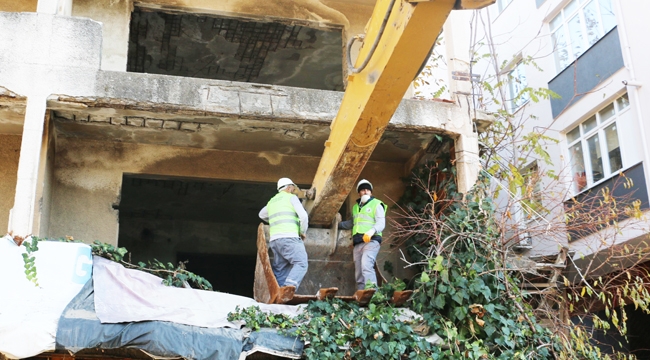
{"x":594,"y":55}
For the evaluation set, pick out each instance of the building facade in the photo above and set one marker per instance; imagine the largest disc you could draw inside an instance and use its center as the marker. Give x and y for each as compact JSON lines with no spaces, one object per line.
{"x":592,"y":54}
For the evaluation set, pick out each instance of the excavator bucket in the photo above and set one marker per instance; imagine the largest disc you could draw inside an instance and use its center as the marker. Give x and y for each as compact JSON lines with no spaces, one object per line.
{"x":330,"y":273}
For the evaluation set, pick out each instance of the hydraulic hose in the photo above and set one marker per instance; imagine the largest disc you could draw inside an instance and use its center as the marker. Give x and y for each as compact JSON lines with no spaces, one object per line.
{"x":351,"y":67}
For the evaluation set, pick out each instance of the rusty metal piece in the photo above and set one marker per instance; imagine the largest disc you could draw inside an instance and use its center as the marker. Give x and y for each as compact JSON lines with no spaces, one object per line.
{"x":286,"y":294}
{"x":334,"y":233}
{"x":327,"y":293}
{"x":401,"y":297}
{"x":266,"y":288}
{"x":363,"y":296}
{"x":310,"y":194}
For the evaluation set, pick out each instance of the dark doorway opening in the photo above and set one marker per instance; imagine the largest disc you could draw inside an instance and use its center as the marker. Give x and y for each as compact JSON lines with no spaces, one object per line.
{"x":210,"y":224}
{"x":235,"y":49}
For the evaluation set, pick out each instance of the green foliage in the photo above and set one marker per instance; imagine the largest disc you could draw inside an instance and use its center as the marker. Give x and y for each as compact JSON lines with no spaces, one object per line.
{"x":172,"y":275}
{"x":336,"y":329}
{"x":255,"y":318}
{"x":465,"y":293}
{"x":418,"y":204}
{"x":29,"y":260}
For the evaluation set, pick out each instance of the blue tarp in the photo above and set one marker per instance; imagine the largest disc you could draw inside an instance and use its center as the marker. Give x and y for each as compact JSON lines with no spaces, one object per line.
{"x":79,"y":328}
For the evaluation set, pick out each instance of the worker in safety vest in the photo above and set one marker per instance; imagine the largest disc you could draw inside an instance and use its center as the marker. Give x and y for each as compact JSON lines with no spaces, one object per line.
{"x":288,"y":224}
{"x":368,"y":221}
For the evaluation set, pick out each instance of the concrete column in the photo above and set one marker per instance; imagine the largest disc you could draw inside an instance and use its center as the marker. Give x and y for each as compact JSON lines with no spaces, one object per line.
{"x":457,"y":44}
{"x":55,"y":7}
{"x":21,"y":219}
{"x":467,"y":161}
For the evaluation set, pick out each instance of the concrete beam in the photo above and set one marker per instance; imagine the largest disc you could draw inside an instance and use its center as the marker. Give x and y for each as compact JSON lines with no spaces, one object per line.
{"x":175,"y":95}
{"x":467,"y":161}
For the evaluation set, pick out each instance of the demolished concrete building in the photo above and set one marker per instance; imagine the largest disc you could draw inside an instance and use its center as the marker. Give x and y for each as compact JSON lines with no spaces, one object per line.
{"x":162,"y":126}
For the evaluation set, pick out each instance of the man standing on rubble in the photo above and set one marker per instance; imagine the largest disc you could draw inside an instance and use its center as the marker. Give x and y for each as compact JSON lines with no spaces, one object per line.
{"x":368,"y":221}
{"x":288,"y":224}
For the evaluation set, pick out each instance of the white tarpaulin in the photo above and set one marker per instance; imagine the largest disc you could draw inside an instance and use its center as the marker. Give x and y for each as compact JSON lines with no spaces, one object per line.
{"x":29,"y":314}
{"x":127,"y":295}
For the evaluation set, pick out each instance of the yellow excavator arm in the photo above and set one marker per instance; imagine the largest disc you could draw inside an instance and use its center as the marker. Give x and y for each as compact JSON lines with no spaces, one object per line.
{"x":399,"y":38}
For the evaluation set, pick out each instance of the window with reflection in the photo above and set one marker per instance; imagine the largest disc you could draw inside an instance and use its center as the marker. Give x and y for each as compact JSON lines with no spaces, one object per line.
{"x":594,"y":146}
{"x":517,"y":85}
{"x":579,"y":25}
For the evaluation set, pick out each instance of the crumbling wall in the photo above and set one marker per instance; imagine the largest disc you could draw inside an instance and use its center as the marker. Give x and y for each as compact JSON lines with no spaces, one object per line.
{"x":116,"y":14}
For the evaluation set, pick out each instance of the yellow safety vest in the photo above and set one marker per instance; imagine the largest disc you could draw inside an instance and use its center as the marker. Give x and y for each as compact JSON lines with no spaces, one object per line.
{"x":282,"y":215}
{"x":363,"y":218}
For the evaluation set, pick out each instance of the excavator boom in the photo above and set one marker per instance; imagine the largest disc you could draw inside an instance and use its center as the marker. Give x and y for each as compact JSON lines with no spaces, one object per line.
{"x":398,"y":40}
{"x":403,"y":33}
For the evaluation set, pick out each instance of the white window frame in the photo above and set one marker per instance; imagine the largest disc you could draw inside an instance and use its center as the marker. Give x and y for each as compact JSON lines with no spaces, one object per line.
{"x":517,"y":82}
{"x":564,"y":16}
{"x":599,"y":131}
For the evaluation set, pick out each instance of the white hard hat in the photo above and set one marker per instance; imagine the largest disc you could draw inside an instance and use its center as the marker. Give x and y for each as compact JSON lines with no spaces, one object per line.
{"x":284,"y":182}
{"x":364,"y":181}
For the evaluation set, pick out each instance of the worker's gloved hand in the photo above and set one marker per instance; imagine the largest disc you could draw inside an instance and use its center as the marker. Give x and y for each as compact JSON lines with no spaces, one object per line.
{"x":303,"y":237}
{"x":368,"y":235}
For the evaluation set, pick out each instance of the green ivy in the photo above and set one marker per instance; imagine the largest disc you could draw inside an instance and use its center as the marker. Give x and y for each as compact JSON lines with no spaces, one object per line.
{"x":29,"y":260}
{"x":464,"y":290}
{"x":336,"y":329}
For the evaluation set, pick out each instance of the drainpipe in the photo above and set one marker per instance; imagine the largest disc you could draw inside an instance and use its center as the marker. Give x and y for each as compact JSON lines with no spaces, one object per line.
{"x":632,"y":85}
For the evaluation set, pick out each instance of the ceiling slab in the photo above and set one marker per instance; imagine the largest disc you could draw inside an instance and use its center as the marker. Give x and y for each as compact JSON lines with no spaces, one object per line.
{"x":229,"y":134}
{"x":244,"y":50}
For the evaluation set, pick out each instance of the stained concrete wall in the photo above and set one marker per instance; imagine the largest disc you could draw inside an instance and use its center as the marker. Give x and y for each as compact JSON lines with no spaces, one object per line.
{"x":46,"y":173}
{"x":88,"y":175}
{"x":115,"y":15}
{"x":87,"y":180}
{"x":18,"y":6}
{"x":9,"y":154}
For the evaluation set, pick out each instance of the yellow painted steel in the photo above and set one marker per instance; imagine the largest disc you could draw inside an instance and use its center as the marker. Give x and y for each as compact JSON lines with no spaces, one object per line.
{"x":372,"y":96}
